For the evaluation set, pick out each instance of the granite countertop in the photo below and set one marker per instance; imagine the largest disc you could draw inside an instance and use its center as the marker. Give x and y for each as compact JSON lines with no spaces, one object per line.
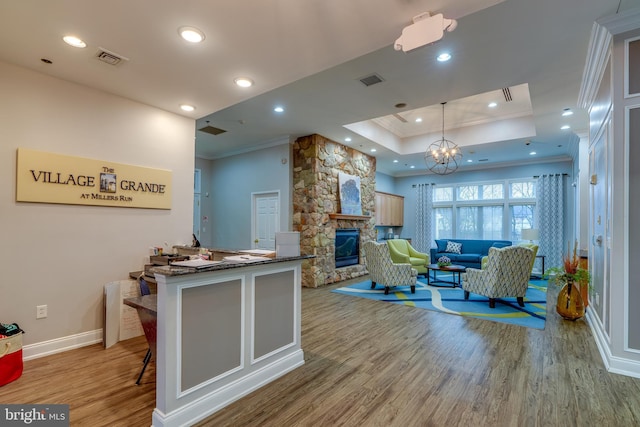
{"x":171,"y":270}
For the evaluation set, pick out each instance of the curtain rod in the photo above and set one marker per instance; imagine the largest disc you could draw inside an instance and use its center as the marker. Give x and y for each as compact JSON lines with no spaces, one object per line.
{"x":551,"y":174}
{"x":426,"y":183}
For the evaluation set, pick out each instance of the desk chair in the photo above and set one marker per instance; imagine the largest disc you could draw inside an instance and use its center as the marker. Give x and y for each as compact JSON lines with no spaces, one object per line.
{"x":144,"y":290}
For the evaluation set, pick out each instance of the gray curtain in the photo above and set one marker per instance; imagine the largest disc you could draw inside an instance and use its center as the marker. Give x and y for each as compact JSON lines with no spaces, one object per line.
{"x":424,"y":213}
{"x":550,"y":207}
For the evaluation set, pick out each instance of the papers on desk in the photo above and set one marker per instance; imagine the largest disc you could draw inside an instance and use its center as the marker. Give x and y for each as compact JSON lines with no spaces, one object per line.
{"x":195,"y":263}
{"x":260,"y":252}
{"x":244,"y":258}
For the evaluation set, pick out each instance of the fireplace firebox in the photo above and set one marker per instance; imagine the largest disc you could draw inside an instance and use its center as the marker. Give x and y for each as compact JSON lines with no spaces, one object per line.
{"x":347,"y":247}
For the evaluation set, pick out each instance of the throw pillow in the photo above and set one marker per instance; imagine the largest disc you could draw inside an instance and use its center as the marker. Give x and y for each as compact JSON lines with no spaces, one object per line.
{"x":454,"y":247}
{"x":500,"y":245}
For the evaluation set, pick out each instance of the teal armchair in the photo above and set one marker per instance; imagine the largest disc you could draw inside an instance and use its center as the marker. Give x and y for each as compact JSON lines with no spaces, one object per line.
{"x":403,"y":253}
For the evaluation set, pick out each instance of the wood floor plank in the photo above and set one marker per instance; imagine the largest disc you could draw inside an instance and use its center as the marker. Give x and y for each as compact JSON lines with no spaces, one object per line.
{"x":370,"y":363}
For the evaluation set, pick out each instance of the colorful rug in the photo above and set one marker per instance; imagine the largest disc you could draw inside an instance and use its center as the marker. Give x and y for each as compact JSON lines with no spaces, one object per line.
{"x":451,"y":301}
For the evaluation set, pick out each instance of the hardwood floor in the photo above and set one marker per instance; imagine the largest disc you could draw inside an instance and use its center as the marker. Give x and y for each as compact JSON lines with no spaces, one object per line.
{"x":370,"y":363}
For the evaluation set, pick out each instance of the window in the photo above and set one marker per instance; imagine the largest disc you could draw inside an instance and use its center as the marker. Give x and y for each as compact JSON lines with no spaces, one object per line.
{"x":494,"y":210}
{"x":444,"y":223}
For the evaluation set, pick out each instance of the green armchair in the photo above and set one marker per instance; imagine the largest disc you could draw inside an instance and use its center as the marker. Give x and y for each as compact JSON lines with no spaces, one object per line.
{"x":403,"y":253}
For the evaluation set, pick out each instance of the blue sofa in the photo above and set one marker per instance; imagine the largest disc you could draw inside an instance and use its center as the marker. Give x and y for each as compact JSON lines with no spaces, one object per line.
{"x":472,"y":251}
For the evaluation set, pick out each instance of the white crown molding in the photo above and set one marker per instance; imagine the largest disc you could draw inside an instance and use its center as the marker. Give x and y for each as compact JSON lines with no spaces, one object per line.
{"x":598,"y":55}
{"x":621,"y":22}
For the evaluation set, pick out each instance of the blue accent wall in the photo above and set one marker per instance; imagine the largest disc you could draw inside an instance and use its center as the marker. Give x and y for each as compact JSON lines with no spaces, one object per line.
{"x":233,"y":180}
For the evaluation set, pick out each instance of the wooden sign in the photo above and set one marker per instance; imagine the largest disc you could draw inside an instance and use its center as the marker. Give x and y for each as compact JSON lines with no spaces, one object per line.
{"x":54,"y":178}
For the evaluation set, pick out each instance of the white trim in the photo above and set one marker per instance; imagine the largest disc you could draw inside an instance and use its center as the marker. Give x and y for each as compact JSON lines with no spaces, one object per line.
{"x":294,"y":340}
{"x":598,"y":55}
{"x":626,"y":68}
{"x":199,"y":409}
{"x":59,"y":345}
{"x":627,"y":224}
{"x":179,"y":392}
{"x":621,"y":22}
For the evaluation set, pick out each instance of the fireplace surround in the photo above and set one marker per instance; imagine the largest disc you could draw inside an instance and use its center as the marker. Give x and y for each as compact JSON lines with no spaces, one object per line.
{"x":347,"y":247}
{"x":317,"y":162}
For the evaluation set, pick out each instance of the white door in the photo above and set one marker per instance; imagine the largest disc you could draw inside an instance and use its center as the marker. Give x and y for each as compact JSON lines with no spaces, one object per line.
{"x":266,"y":219}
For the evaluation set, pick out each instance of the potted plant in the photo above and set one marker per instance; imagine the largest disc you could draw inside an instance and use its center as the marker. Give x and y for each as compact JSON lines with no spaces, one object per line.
{"x":444,"y":261}
{"x":570,"y":276}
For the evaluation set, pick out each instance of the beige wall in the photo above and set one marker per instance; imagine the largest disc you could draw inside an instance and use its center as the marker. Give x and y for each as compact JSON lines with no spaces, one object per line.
{"x":62,"y":255}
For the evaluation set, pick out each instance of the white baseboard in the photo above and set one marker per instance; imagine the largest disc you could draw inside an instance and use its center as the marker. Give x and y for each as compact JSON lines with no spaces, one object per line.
{"x":218,"y":399}
{"x":58,"y":345}
{"x":614,"y":364}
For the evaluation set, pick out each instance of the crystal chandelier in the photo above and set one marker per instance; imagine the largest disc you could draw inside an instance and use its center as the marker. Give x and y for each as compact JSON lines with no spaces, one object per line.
{"x":442,"y":156}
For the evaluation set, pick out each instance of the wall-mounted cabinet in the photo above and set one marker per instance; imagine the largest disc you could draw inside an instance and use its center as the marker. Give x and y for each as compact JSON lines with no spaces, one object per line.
{"x":389,"y":209}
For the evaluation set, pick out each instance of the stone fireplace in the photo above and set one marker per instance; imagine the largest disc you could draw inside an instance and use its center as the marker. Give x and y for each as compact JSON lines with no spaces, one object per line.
{"x":316,"y":206}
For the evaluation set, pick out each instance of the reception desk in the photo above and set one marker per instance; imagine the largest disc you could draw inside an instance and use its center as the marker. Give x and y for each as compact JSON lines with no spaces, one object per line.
{"x":222,"y":332}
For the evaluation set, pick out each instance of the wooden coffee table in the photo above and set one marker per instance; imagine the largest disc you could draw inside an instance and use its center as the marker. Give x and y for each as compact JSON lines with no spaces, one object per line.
{"x":453,"y":268}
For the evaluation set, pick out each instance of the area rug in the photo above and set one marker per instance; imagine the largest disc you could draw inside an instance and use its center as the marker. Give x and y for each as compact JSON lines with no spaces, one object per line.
{"x":451,"y":301}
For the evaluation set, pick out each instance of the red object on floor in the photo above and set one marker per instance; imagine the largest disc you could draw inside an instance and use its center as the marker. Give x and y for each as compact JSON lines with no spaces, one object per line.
{"x":10,"y":358}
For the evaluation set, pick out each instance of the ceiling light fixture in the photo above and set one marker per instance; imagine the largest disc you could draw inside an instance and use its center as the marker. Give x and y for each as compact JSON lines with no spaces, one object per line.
{"x":419,"y":120}
{"x":492,"y":104}
{"x":186,"y":107}
{"x":278,"y":109}
{"x":74,"y":41}
{"x":191,"y":34}
{"x":443,"y":155}
{"x":373,"y":150}
{"x":565,"y":127}
{"x":533,"y":153}
{"x":567,"y":112}
{"x":243,"y":82}
{"x":347,"y":139}
{"x":395,"y":161}
{"x":443,"y":57}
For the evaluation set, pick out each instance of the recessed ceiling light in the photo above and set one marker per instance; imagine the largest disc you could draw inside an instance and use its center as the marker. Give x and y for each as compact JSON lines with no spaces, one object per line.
{"x":492,"y":104}
{"x":533,"y":153}
{"x":278,"y":109}
{"x":347,"y":139}
{"x":373,"y":150}
{"x":565,"y":127}
{"x":443,"y":57}
{"x":191,"y":34}
{"x":412,"y":167}
{"x":187,"y":107}
{"x":469,"y":161}
{"x":74,"y":41}
{"x":567,"y":112}
{"x":418,"y":120}
{"x":244,"y":82}
{"x":395,"y":161}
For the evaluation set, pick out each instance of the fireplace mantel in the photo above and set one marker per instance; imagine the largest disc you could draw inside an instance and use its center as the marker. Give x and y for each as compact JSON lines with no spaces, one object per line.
{"x":350,"y":217}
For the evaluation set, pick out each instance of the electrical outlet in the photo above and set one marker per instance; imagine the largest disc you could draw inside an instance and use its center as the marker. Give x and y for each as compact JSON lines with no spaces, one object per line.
{"x":41,"y":311}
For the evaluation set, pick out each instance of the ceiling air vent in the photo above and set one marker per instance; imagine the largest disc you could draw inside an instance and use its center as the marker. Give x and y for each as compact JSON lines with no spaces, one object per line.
{"x":212,"y":130}
{"x":109,"y":57}
{"x":371,"y":80}
{"x":507,"y":94}
{"x":483,"y":160}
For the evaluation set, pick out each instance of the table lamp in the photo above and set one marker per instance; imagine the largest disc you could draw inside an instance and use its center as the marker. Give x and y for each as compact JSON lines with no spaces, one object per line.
{"x":530,"y":234}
